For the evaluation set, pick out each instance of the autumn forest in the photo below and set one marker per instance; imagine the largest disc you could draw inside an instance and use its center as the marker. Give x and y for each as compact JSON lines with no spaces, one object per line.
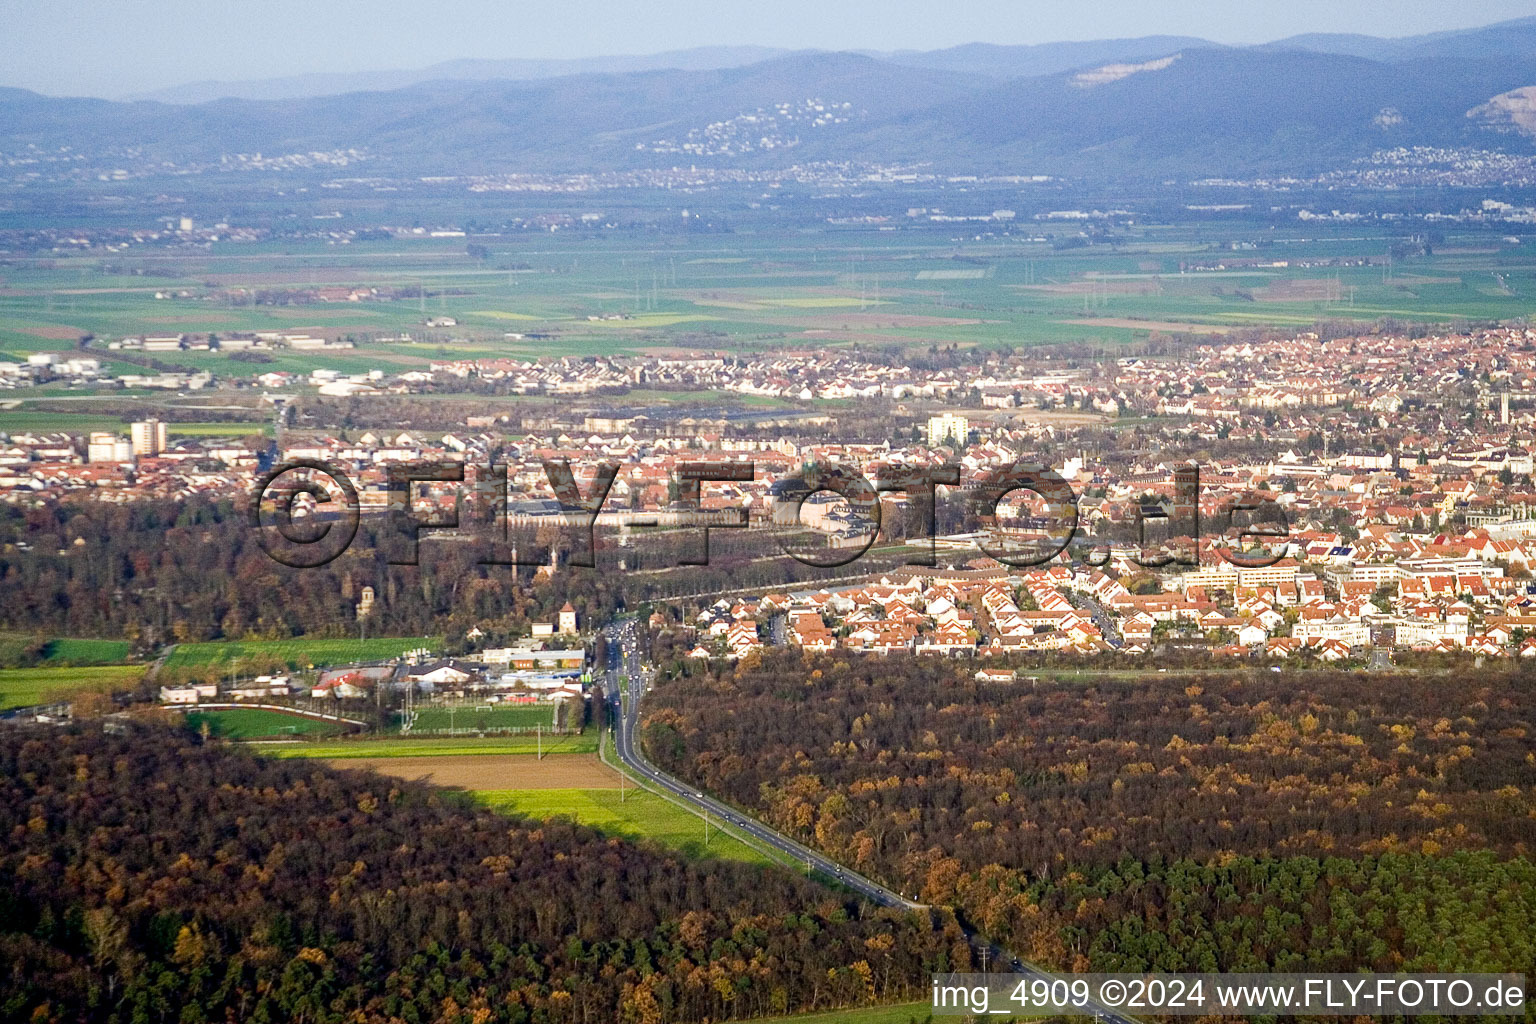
{"x":1223,"y":821}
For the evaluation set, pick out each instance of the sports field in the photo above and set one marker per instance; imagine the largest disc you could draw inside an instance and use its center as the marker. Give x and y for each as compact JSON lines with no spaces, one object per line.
{"x":21,"y":687}
{"x":475,"y":718}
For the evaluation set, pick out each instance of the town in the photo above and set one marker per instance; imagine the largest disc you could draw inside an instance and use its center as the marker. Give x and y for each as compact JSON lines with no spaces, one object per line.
{"x":1402,"y":466}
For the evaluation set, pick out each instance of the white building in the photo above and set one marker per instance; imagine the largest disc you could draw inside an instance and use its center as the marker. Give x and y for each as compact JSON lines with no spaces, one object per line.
{"x":948,"y":428}
{"x":103,"y":446}
{"x":1428,"y":632}
{"x":1350,"y":631}
{"x":149,"y":437}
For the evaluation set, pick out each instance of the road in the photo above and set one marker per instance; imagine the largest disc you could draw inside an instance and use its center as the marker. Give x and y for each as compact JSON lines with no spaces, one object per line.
{"x":624,"y":657}
{"x":624,"y":660}
{"x":1103,"y":620}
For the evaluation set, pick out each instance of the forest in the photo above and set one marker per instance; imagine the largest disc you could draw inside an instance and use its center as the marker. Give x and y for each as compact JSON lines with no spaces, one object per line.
{"x":146,"y":877}
{"x":176,"y":571}
{"x":1219,"y":821}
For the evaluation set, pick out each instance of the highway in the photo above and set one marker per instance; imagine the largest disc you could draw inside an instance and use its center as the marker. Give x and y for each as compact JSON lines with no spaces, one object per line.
{"x":623,"y":654}
{"x":624,"y":660}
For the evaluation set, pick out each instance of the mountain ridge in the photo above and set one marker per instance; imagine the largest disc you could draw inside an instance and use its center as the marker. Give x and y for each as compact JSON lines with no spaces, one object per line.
{"x":1197,"y":110}
{"x":1512,"y":37}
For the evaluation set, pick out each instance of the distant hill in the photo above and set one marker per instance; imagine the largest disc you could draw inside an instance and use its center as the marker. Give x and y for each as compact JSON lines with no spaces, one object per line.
{"x":704,"y":58}
{"x":1515,"y":38}
{"x":1220,"y":111}
{"x":1160,"y":106}
{"x":1506,"y":39}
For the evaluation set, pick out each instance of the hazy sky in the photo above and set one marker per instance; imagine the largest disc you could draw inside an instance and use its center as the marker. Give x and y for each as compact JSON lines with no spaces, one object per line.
{"x":116,"y":47}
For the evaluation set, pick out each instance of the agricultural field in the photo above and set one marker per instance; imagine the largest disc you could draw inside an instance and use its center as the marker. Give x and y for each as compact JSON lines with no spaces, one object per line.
{"x":21,"y":687}
{"x":639,"y":815}
{"x":826,"y":288}
{"x":257,"y":723}
{"x":479,"y":772}
{"x":62,"y":651}
{"x":365,"y":747}
{"x":15,"y":421}
{"x":13,"y":648}
{"x":75,"y":651}
{"x":899,"y":1013}
{"x":296,"y":652}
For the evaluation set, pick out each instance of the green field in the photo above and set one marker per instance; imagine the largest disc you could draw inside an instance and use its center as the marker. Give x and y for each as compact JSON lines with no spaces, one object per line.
{"x":297,"y":652}
{"x":770,"y":289}
{"x":15,"y":421}
{"x":20,"y":687}
{"x":257,"y":723}
{"x":583,"y":743}
{"x":897,"y":1013}
{"x":641,"y":815}
{"x":902,"y":1013}
{"x":76,"y":651}
{"x":65,"y":650}
{"x":12,"y":648}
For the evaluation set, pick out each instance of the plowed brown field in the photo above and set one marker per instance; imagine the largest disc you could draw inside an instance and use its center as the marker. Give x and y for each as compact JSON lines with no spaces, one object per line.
{"x":493,"y":771}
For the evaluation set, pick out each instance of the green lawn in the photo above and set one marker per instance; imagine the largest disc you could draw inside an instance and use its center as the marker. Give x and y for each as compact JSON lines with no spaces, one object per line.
{"x":584,"y":743}
{"x":20,"y":687}
{"x":641,"y":815}
{"x":297,"y":652}
{"x":256,"y":723}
